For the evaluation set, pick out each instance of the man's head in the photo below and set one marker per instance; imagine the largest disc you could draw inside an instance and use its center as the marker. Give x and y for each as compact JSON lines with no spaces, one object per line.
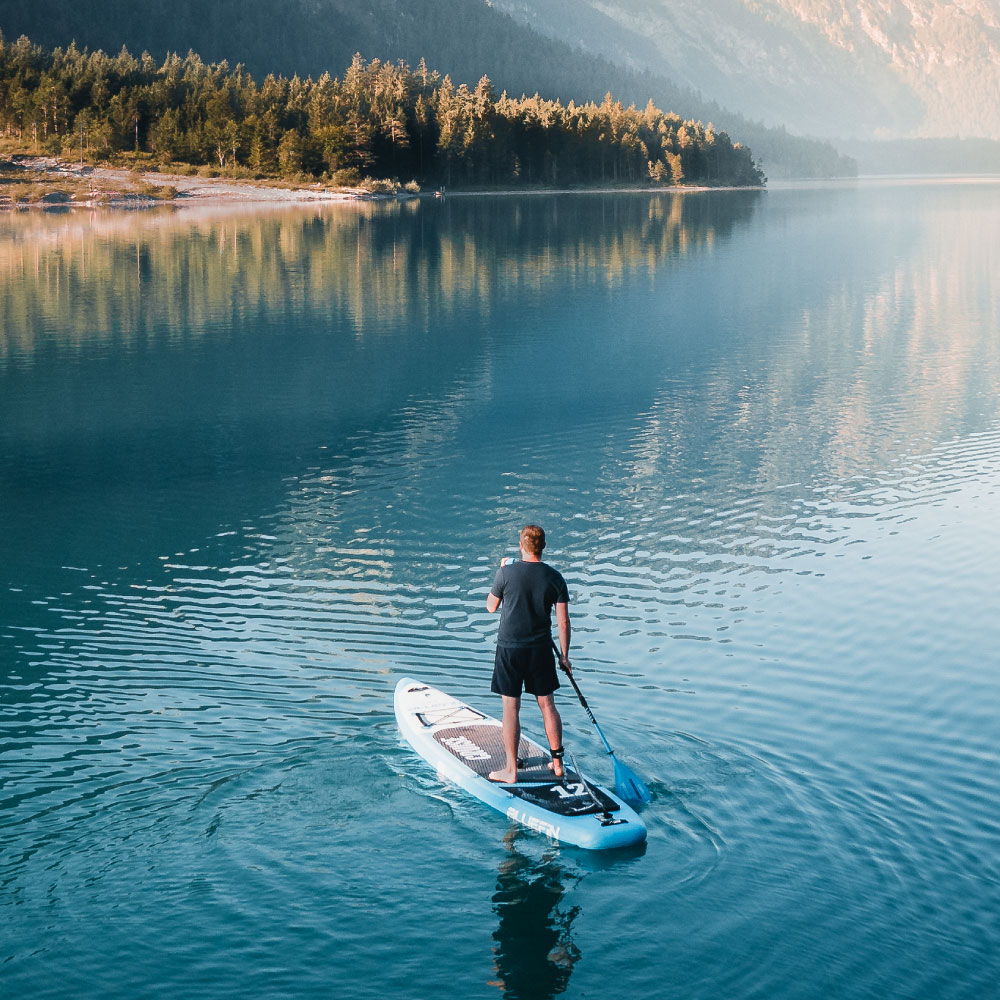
{"x":533,"y":539}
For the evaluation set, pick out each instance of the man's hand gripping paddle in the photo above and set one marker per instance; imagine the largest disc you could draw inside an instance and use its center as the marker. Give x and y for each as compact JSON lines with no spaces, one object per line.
{"x":627,"y":783}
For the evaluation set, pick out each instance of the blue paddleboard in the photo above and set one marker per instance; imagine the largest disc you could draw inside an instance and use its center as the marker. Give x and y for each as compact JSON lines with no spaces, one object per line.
{"x":465,"y":745}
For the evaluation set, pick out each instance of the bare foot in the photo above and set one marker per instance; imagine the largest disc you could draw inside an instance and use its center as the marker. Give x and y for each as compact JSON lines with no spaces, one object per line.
{"x":503,"y":777}
{"x":555,"y":766}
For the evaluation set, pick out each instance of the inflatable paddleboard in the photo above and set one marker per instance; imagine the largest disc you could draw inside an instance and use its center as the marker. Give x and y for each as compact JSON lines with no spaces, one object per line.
{"x":465,"y":745}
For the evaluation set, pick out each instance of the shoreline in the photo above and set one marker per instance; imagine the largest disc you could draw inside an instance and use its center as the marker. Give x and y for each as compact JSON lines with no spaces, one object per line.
{"x":120,"y":188}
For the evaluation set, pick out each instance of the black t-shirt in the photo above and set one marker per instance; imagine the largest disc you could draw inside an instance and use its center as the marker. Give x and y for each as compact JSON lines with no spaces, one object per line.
{"x":527,"y":591}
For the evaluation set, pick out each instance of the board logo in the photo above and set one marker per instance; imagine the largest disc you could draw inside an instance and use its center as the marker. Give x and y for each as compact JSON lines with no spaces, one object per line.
{"x":571,"y":790}
{"x":533,"y":822}
{"x":465,"y":748}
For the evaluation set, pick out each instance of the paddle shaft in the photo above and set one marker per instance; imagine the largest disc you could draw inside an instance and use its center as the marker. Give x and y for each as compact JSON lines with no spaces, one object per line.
{"x":627,"y":783}
{"x":583,"y":701}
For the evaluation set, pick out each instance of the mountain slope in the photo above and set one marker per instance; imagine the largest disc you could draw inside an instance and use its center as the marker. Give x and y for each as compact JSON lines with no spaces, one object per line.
{"x":865,"y":68}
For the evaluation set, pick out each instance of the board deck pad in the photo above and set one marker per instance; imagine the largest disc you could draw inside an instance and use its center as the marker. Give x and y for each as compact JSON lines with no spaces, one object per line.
{"x":567,"y":798}
{"x":480,"y":747}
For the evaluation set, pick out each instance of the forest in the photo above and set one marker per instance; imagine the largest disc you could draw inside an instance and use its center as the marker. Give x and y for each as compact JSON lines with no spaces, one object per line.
{"x":310,"y":37}
{"x":379,"y":120}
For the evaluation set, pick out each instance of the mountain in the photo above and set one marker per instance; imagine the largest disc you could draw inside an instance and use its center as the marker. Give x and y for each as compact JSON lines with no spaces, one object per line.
{"x":464,"y":38}
{"x":859,"y":68}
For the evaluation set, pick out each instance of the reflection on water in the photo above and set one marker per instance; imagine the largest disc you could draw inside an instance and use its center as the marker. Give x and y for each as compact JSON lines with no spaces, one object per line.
{"x":834,"y":349}
{"x":534,"y":950}
{"x":120,"y":278}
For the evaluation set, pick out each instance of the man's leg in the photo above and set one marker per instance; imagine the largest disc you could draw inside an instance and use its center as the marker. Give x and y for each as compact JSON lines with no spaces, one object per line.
{"x":553,"y":729}
{"x":511,"y":733}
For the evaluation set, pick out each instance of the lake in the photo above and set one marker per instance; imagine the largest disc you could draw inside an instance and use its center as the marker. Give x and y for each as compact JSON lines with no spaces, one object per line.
{"x":256,"y":466}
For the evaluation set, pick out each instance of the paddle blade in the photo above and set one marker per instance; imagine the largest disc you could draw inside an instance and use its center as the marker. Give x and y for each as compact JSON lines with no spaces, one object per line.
{"x":629,"y":785}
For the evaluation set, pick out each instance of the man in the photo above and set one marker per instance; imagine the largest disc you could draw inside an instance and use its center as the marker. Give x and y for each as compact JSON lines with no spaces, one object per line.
{"x":527,"y":590}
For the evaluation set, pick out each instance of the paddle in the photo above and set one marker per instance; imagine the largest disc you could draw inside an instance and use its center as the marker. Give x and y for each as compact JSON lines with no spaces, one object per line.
{"x":627,"y":783}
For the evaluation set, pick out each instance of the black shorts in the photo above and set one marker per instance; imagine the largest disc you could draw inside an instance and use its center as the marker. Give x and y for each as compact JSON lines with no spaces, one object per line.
{"x":534,"y":667}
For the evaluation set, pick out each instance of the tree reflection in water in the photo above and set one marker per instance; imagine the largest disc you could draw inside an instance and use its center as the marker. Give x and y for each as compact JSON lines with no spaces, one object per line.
{"x":533,"y":950}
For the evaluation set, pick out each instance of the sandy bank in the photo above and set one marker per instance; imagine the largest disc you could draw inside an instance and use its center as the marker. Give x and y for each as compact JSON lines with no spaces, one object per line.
{"x":75,"y":184}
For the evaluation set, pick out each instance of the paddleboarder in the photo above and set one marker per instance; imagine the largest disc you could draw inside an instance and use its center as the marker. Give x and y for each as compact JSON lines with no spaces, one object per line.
{"x":527,"y":590}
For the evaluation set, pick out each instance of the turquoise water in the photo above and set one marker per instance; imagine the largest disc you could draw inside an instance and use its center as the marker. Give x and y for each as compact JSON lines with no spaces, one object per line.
{"x":256,"y":467}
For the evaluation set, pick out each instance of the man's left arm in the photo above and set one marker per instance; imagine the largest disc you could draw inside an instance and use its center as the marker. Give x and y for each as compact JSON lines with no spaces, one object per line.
{"x":493,"y":598}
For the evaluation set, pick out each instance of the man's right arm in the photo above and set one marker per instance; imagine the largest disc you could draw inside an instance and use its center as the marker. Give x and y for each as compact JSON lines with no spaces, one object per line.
{"x":562,"y":622}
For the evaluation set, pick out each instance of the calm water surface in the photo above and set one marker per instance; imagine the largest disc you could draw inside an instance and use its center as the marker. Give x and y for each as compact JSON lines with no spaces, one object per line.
{"x":256,"y":467}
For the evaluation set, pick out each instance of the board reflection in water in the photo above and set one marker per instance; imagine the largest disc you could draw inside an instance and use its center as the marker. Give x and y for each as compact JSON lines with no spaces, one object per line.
{"x":533,"y":950}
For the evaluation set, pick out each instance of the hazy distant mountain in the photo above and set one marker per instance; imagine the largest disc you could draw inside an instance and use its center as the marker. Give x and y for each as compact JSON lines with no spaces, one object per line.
{"x":865,"y":68}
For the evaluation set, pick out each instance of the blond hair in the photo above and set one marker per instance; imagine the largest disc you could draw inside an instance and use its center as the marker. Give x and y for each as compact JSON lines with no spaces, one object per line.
{"x":532,"y":539}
